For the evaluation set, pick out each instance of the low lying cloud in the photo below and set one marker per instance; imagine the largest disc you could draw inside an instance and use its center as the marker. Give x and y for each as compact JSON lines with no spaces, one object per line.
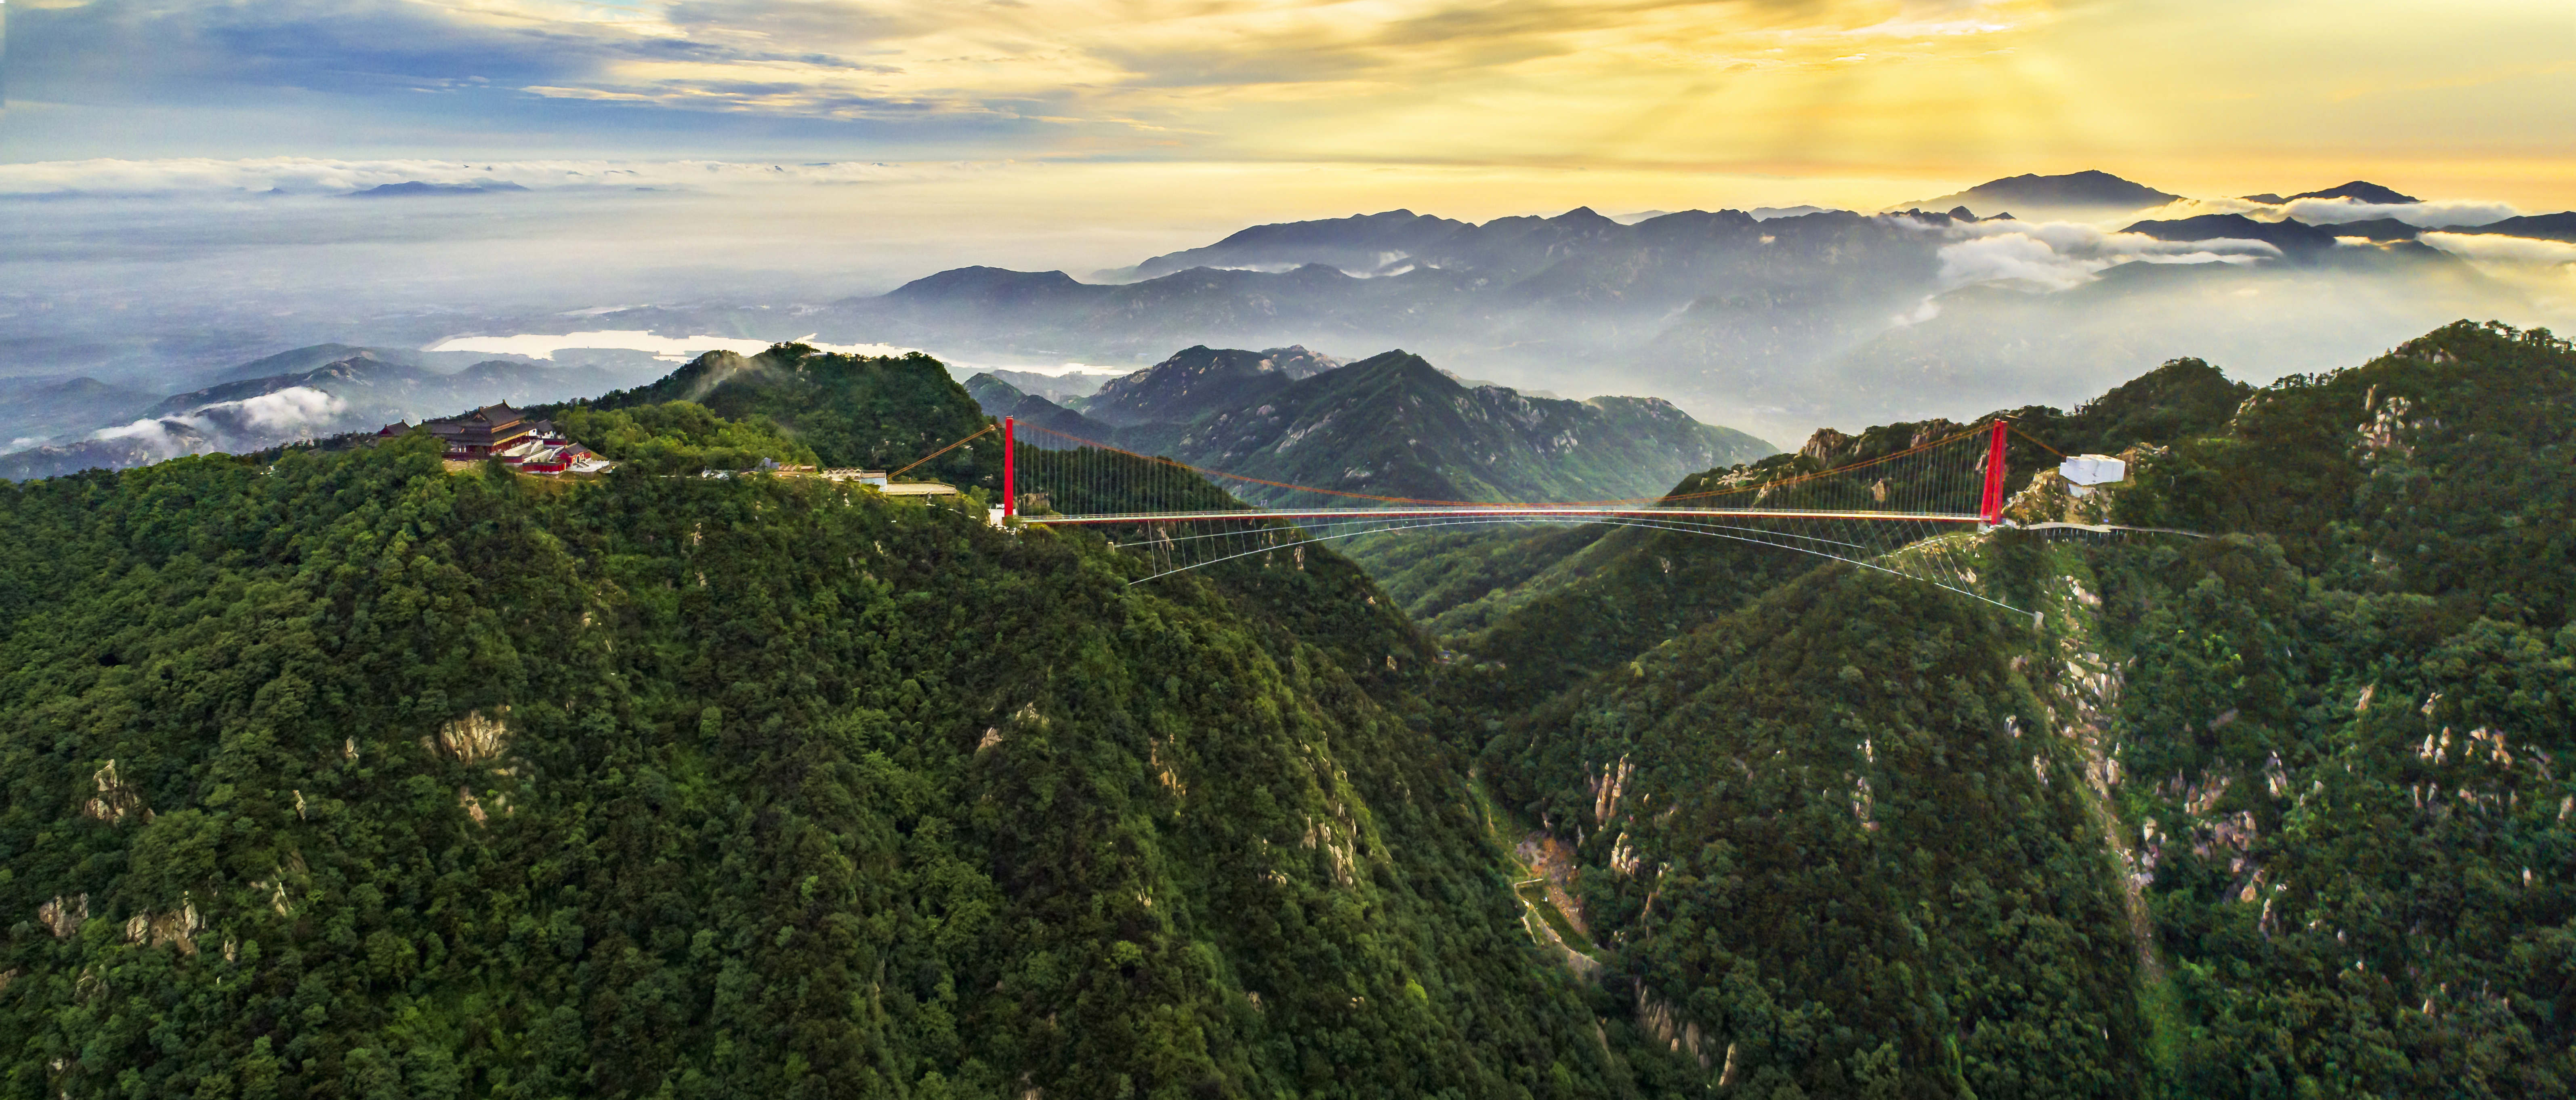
{"x":2063,"y":255}
{"x":2430,"y":215}
{"x":279,"y":416}
{"x":2497,"y":248}
{"x":295,"y":408}
{"x":146,"y":430}
{"x":2434,"y":214}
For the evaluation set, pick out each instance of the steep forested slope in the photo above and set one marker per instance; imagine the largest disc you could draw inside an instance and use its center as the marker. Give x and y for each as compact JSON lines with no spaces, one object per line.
{"x":1531,"y":611}
{"x":348,"y":776}
{"x":1838,"y":849}
{"x":2341,"y":738}
{"x":2270,"y":813}
{"x":879,"y":412}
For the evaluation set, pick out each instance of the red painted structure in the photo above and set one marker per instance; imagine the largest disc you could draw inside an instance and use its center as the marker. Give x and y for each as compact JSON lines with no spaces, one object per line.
{"x":1992,"y":508}
{"x":1010,"y":460}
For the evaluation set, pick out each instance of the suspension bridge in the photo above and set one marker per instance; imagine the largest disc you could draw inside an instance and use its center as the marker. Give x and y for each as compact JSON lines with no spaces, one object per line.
{"x":1914,"y":511}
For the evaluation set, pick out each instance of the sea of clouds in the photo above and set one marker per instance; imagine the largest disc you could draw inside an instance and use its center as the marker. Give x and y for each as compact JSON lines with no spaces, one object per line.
{"x":207,"y":177}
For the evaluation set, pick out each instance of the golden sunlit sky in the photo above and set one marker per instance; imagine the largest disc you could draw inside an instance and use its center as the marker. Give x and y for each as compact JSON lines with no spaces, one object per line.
{"x":1477,"y":108}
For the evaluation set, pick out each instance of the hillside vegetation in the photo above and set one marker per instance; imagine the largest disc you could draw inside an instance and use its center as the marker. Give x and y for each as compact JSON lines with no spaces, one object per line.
{"x":2274,"y":813}
{"x":878,"y":412}
{"x":335,"y":773}
{"x":343,"y":775}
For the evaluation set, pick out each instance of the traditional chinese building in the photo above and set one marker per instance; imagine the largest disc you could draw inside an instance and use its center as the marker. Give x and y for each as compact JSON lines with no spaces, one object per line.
{"x":487,"y":430}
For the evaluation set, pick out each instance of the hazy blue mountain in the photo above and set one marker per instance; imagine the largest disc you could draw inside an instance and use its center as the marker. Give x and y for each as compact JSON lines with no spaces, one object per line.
{"x":1063,"y":389}
{"x":2358,"y":191}
{"x":2557,"y":227}
{"x":2293,"y":238}
{"x":2377,"y":229}
{"x":1393,"y":425}
{"x":998,"y":399}
{"x":299,"y":360}
{"x":40,"y":409}
{"x":358,"y":393}
{"x":375,"y":387}
{"x":1359,"y":243}
{"x":1766,"y":213}
{"x":1774,"y":325}
{"x":1202,"y":379}
{"x":413,"y":188}
{"x":2032,"y":195}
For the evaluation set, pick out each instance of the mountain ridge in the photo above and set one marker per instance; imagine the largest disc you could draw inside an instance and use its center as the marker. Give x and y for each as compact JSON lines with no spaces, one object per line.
{"x":2086,"y":190}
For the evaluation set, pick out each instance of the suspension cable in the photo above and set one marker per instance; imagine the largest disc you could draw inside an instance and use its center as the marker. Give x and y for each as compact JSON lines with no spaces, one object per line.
{"x":988,"y":429}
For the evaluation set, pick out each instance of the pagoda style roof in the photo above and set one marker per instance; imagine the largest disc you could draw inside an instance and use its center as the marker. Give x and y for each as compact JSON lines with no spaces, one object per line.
{"x":486,"y":427}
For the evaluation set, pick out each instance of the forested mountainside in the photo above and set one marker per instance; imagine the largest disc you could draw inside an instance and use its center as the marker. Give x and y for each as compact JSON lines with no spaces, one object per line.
{"x":879,"y":412}
{"x":1391,"y":425}
{"x":2244,"y":816}
{"x":1532,"y":610}
{"x":340,"y":774}
{"x":343,"y":775}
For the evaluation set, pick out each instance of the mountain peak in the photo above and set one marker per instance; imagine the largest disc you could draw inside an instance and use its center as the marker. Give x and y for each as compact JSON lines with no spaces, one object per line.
{"x":2288,"y":236}
{"x":1199,"y":378}
{"x":2075,"y":191}
{"x":2359,"y":191}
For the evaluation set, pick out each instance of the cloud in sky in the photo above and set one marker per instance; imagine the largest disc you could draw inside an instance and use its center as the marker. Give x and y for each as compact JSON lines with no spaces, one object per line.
{"x":1962,"y":87}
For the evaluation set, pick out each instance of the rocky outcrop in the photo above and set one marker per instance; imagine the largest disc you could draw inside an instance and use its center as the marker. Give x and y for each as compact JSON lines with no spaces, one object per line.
{"x":115,"y":801}
{"x":63,"y":916}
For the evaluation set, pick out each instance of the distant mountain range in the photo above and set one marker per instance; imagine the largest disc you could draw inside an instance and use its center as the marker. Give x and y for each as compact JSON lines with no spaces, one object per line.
{"x":1774,"y":320}
{"x":1773,"y":324}
{"x":415,"y":188}
{"x":2357,"y":190}
{"x":1391,"y":425}
{"x":2557,"y":227}
{"x":84,"y":424}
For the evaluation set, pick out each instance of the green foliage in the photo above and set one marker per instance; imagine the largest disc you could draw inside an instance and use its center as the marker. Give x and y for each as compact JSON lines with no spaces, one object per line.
{"x":679,"y":438}
{"x":2183,"y":399}
{"x":879,"y":412}
{"x":780,"y":788}
{"x":335,"y":774}
{"x":2322,"y":750}
{"x":1834,"y":849}
{"x":2345,"y":730}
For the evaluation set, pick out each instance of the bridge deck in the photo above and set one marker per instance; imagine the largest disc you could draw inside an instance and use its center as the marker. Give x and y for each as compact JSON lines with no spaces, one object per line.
{"x":1569,"y":513}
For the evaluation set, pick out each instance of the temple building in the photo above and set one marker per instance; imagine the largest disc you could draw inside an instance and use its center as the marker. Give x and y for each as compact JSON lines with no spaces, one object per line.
{"x":486,"y":430}
{"x":504,"y":433}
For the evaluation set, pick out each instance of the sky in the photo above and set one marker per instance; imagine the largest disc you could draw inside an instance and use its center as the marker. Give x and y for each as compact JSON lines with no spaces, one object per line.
{"x":1180,"y":110}
{"x":174,"y":174}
